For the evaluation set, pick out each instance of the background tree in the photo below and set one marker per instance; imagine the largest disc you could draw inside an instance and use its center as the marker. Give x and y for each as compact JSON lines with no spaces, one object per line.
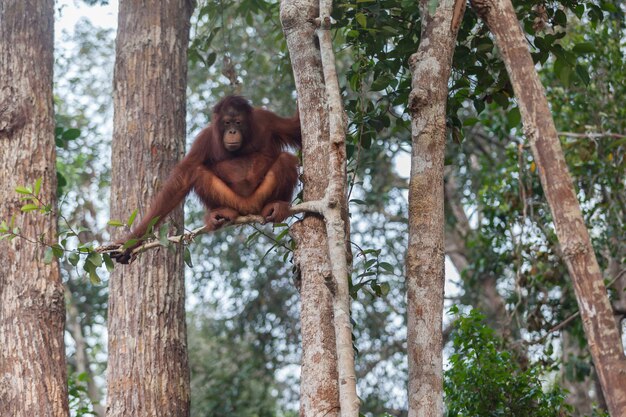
{"x":32,"y":313}
{"x":147,"y":370}
{"x":577,"y":252}
{"x":430,"y":67}
{"x":319,"y":390}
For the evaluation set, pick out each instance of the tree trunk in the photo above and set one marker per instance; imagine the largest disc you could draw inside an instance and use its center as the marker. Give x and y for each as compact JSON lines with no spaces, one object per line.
{"x":319,"y":391}
{"x":148,"y":372}
{"x":600,"y":327}
{"x":33,"y":377}
{"x":430,"y":68}
{"x":336,"y":217}
{"x":75,"y":328}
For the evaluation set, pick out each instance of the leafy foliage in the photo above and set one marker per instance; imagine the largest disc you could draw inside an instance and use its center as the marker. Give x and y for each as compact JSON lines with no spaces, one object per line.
{"x":79,"y":402}
{"x":485,"y":379}
{"x":229,"y":374}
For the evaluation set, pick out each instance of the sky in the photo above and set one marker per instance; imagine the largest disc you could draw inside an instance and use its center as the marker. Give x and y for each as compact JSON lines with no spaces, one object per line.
{"x":69,"y":12}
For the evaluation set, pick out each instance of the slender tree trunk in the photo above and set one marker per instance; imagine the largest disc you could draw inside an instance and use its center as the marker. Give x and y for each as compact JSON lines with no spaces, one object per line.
{"x":33,"y":377}
{"x":430,"y":68}
{"x":319,"y":391}
{"x":148,"y":372}
{"x":337,"y":219}
{"x":602,"y":334}
{"x":578,"y":391}
{"x":81,"y":358}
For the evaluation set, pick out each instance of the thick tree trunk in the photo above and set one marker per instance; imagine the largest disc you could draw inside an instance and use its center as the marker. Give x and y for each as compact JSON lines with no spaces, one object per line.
{"x":600,"y":327}
{"x":33,"y":377}
{"x":430,"y":68}
{"x":319,"y":391}
{"x":148,"y":372}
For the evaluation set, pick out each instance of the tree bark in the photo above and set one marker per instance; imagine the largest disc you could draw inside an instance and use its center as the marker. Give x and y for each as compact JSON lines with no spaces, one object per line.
{"x":148,"y":372}
{"x":430,"y":67}
{"x":33,"y":376}
{"x":319,"y":391}
{"x":337,"y":217}
{"x":600,"y":327}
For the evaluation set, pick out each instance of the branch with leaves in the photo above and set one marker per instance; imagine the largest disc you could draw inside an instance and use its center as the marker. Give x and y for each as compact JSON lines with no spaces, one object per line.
{"x":162,"y":239}
{"x":78,"y":255}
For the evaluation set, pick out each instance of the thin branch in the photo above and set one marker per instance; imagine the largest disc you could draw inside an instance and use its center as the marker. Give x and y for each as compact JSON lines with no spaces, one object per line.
{"x":186,"y":238}
{"x":594,"y":135}
{"x":571,"y":318}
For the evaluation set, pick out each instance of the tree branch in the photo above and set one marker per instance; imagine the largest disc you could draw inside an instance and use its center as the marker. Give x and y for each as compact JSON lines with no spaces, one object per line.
{"x":186,"y":238}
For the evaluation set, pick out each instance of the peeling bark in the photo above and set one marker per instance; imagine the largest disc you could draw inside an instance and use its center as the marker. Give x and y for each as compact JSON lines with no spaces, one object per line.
{"x":33,"y":376}
{"x":600,"y":327}
{"x":430,"y":67}
{"x":148,"y":372}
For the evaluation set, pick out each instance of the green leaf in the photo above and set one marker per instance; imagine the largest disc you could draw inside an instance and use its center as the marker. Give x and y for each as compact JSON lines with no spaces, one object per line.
{"x":163,"y":232}
{"x":187,"y":257}
{"x":23,"y":190}
{"x":255,"y":235}
{"x":108,"y":262}
{"x":132,"y":218}
{"x":71,"y":134}
{"x":48,"y":256}
{"x":386,"y":266}
{"x":361,"y":19}
{"x":583,"y":74}
{"x":153,"y":221}
{"x":470,"y":121}
{"x":210,"y":60}
{"x":479,"y":105}
{"x":37,"y":186}
{"x":129,"y":243}
{"x":282,"y":235}
{"x":61,"y":181}
{"x":560,"y":18}
{"x":584,"y":48}
{"x":93,"y":277}
{"x":115,"y":223}
{"x":58,"y":250}
{"x":29,"y":207}
{"x":382,"y":82}
{"x":94,"y":258}
{"x":563,"y":71}
{"x":513,"y":118}
{"x":384,"y":288}
{"x":608,"y":7}
{"x":73,"y":258}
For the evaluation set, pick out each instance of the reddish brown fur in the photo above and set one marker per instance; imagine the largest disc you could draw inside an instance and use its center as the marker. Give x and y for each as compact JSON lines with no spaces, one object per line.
{"x":257,"y":178}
